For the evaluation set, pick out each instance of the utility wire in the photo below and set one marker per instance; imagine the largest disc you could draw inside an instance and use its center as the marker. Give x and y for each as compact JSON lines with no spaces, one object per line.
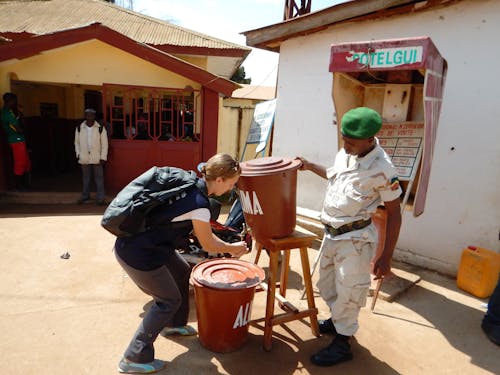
{"x":261,"y":84}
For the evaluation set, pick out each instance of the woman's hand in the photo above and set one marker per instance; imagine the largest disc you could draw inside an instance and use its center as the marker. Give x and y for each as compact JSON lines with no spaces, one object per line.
{"x":211,"y":243}
{"x":238,"y":248}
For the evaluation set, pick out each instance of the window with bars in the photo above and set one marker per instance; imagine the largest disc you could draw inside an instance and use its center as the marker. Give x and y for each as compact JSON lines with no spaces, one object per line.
{"x":155,"y":114}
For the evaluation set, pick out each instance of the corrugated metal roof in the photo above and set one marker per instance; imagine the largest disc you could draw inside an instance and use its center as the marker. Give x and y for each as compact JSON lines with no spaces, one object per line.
{"x":255,"y":92}
{"x":48,"y":16}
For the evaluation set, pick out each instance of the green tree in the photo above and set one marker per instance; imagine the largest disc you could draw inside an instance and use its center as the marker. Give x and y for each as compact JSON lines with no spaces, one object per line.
{"x":240,"y":76}
{"x":129,"y":4}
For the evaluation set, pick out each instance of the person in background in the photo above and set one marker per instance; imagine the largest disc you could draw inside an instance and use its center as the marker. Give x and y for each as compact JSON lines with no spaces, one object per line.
{"x":152,"y":263}
{"x":361,"y":178}
{"x":91,"y":148}
{"x":491,"y":320}
{"x":12,"y":123}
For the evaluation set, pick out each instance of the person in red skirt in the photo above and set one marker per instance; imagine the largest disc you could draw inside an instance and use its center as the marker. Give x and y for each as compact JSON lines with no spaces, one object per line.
{"x":11,"y":121}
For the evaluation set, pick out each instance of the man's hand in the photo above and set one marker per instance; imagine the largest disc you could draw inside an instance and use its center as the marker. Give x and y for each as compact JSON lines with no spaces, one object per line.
{"x":381,"y":267}
{"x":308,"y":166}
{"x":305,"y":163}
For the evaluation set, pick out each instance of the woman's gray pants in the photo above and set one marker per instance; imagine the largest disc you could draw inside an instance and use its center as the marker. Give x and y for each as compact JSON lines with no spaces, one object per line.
{"x":169,"y":287}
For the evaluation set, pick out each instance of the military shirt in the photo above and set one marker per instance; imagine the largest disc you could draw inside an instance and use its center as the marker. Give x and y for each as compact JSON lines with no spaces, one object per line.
{"x":356,"y":186}
{"x":10,"y":123}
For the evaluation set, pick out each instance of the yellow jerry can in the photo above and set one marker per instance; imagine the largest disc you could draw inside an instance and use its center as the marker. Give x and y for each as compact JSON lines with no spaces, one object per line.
{"x":478,"y":271}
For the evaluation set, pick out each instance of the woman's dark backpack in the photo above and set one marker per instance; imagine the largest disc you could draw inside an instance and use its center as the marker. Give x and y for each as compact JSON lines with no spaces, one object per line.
{"x":159,"y":185}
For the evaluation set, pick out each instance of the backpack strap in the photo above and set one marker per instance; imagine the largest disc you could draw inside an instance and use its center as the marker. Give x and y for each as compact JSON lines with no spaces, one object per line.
{"x":100,"y":128}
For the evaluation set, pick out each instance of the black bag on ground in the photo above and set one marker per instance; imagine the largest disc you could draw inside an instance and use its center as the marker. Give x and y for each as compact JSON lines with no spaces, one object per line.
{"x":159,"y":185}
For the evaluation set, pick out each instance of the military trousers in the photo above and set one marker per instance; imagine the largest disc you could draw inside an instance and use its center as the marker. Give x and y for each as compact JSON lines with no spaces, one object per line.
{"x":344,"y":280}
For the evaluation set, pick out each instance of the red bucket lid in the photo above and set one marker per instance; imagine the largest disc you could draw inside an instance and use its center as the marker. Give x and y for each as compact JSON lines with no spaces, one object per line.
{"x":228,"y":274}
{"x":268,"y":165}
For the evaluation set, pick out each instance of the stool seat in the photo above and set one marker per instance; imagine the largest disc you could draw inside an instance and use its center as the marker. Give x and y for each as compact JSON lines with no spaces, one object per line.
{"x":300,"y":239}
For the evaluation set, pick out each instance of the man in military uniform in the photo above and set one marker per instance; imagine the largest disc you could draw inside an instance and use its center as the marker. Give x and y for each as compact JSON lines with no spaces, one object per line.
{"x":361,"y":178}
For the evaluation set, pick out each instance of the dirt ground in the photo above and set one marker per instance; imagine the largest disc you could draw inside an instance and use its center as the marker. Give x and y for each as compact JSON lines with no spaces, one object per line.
{"x":76,"y":316}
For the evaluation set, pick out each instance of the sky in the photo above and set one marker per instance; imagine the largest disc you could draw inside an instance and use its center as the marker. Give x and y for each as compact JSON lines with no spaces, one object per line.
{"x":226,"y":19}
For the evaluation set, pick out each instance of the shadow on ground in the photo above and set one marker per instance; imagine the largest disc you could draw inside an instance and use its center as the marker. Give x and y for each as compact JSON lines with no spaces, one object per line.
{"x":289,"y":354}
{"x":34,"y":210}
{"x":461,"y":325}
{"x":284,"y":358}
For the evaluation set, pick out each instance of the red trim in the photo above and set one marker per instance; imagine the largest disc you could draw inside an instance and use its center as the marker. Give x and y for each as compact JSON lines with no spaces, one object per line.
{"x":16,"y":36}
{"x":31,"y":46}
{"x":167,"y":48}
{"x":210,"y":123}
{"x":179,"y":50}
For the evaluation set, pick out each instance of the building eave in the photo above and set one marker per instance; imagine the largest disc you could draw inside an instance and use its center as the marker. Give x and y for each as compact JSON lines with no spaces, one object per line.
{"x":32,"y":46}
{"x":203,"y":51}
{"x":271,"y":37}
{"x":237,"y":55}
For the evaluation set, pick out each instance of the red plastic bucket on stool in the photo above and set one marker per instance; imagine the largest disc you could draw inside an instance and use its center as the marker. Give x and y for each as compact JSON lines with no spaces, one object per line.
{"x":223,"y":291}
{"x":268,"y":193}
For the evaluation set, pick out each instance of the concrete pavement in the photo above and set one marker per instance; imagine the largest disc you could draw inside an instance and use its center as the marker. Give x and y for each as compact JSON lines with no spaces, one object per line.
{"x":76,"y":316}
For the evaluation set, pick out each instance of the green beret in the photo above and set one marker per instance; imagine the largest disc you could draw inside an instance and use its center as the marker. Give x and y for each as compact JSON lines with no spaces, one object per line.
{"x":361,"y":123}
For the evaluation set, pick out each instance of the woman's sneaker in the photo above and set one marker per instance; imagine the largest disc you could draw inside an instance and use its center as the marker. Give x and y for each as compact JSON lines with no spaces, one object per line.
{"x":127,"y":367}
{"x":186,"y":330}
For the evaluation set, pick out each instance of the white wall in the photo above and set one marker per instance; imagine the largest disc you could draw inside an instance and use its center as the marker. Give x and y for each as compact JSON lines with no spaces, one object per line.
{"x":463,"y":200}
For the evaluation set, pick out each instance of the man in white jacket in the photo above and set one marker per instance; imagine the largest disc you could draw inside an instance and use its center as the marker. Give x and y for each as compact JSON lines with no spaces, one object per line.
{"x":91,"y":148}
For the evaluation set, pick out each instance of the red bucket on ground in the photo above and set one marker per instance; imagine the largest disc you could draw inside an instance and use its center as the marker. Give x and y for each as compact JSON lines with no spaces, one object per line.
{"x":224,"y":291}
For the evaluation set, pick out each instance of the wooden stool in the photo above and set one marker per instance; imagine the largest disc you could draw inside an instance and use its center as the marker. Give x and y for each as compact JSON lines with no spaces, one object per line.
{"x":299,"y":239}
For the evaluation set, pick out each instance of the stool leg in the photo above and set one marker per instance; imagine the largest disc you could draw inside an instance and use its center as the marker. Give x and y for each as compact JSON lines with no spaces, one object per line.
{"x":309,"y":289}
{"x":315,"y":265}
{"x":271,"y":283}
{"x":258,"y":249}
{"x":285,"y":269}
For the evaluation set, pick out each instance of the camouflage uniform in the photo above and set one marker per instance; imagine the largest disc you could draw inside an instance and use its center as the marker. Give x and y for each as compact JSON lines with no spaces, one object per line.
{"x":356,"y":186}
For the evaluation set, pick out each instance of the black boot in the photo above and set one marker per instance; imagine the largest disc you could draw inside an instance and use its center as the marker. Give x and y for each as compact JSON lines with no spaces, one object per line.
{"x":326,"y":326}
{"x":338,"y":351}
